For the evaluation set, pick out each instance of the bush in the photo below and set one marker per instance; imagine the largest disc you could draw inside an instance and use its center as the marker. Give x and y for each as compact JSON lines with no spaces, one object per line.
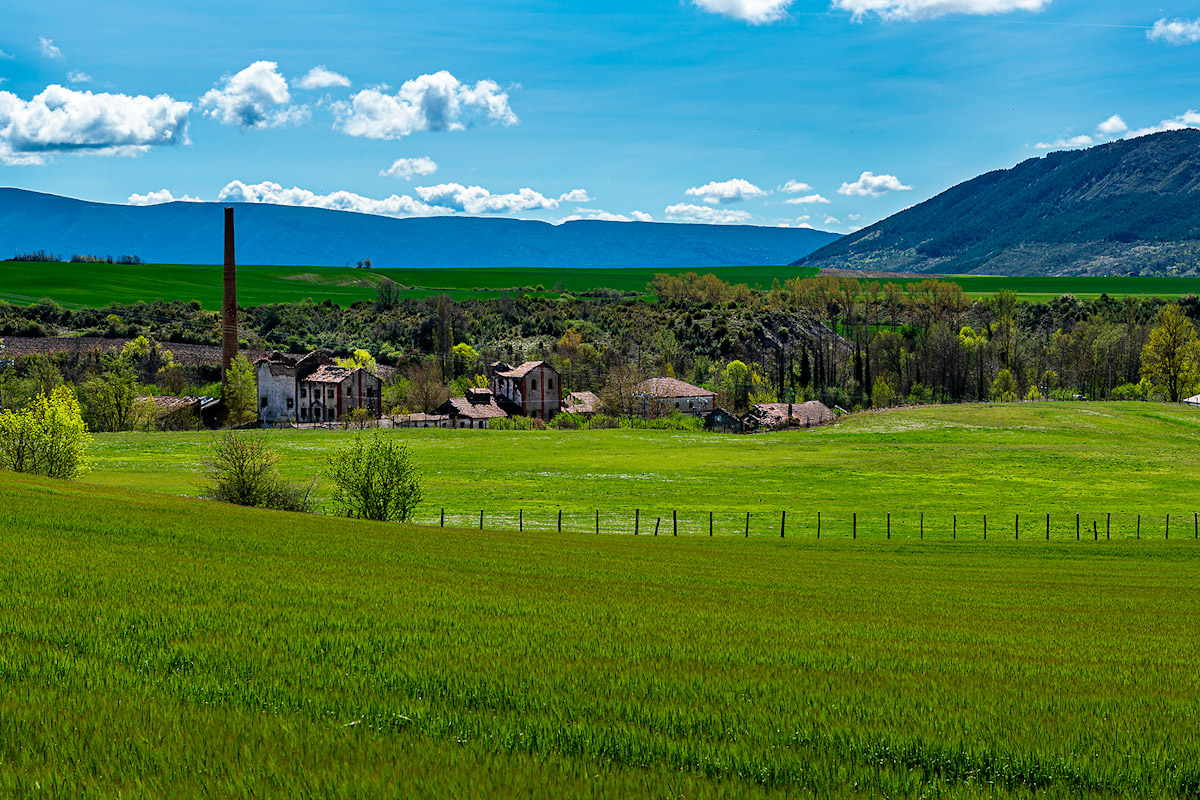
{"x":49,"y":437}
{"x":242,"y":470}
{"x":375,"y":478}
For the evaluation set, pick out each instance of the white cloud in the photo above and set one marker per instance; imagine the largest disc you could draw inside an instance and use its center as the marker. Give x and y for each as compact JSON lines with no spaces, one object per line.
{"x":1113,"y":126}
{"x":407,"y":168}
{"x":61,"y":120}
{"x":756,"y":12}
{"x":606,"y":216}
{"x":929,"y":9}
{"x":854,"y":217}
{"x":437,"y":102}
{"x":686,"y":212}
{"x":1188,"y":119}
{"x":575,"y":196}
{"x":1176,"y":31}
{"x":871,"y":185}
{"x":832,"y":221}
{"x":48,"y":49}
{"x":256,"y":97}
{"x":78,"y":76}
{"x":6,"y":56}
{"x":321,"y":77}
{"x":731,"y":191}
{"x":273,"y":193}
{"x":161,"y":196}
{"x":807,"y":200}
{"x":478,"y":200}
{"x":795,"y":187}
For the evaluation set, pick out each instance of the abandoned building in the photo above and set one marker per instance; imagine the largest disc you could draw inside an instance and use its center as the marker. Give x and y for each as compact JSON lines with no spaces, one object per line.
{"x":313,"y":388}
{"x":533,"y":389}
{"x":472,"y":411}
{"x":777,"y":416}
{"x":166,"y":413}
{"x":661,"y":396}
{"x":585,"y":403}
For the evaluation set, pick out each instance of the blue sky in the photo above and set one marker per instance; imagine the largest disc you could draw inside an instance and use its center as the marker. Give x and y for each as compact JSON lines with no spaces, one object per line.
{"x":712,"y":110}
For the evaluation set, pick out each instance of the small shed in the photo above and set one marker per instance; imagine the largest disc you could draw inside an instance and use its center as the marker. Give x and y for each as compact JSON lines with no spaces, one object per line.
{"x":723,"y":421}
{"x":474,"y":410}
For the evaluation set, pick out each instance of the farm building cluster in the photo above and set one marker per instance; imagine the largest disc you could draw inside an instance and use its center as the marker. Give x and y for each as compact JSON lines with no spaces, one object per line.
{"x":314,"y":389}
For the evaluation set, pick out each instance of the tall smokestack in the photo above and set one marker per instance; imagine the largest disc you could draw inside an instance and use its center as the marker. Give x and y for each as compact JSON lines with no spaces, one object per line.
{"x":229,"y":331}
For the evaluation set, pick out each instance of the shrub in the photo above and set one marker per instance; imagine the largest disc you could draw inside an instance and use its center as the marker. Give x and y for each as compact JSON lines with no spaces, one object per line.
{"x":242,"y":470}
{"x":375,"y":478}
{"x":49,"y":437}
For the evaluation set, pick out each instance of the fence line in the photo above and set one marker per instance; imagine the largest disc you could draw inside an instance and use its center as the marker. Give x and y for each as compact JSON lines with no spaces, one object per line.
{"x":789,"y":524}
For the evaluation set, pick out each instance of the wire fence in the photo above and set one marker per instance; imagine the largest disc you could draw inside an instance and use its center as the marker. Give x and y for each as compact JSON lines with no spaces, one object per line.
{"x":1090,"y":526}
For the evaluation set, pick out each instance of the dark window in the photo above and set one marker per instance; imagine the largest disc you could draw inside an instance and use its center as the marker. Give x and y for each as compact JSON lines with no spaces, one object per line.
{"x":303,"y":413}
{"x":264,"y":402}
{"x":303,"y":392}
{"x":370,"y":391}
{"x":534,"y":382}
{"x":290,"y":404}
{"x":331,"y":394}
{"x":550,"y":383}
{"x":349,"y":393}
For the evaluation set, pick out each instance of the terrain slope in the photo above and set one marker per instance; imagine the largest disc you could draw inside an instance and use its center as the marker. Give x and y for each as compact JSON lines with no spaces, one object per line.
{"x":1131,"y":207}
{"x":191,"y":233}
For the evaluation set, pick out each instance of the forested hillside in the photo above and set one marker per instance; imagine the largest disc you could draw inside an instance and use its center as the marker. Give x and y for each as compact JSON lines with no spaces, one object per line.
{"x":1126,"y":208}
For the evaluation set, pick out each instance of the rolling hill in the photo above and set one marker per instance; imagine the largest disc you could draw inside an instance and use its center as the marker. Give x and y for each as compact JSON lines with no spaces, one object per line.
{"x":190,"y":233}
{"x":1131,"y":207}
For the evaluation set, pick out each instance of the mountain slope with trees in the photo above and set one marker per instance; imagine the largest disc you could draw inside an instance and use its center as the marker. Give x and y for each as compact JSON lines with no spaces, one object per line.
{"x":1131,"y":207}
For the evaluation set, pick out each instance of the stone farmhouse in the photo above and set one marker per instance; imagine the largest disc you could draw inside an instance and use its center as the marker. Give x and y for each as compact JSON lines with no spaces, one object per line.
{"x":661,"y":396}
{"x":312,"y":388}
{"x":533,"y":389}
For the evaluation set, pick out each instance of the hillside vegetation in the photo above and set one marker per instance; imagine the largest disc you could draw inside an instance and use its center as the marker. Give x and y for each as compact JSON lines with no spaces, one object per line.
{"x":1125,"y":208}
{"x":157,"y":646}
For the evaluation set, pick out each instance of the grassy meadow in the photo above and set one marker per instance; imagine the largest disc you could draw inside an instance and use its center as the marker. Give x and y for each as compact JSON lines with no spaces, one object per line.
{"x":1003,"y":460}
{"x":102,"y":284}
{"x":158,"y":646}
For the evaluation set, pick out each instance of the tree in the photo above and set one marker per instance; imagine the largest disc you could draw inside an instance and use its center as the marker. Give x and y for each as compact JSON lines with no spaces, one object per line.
{"x":1004,"y":388}
{"x":109,"y":400}
{"x":359,"y":359}
{"x":241,"y":400}
{"x":463,"y":359}
{"x":387,"y":295}
{"x":376,"y":478}
{"x":242,"y":470}
{"x":619,"y":393}
{"x":423,"y":389}
{"x":48,"y":438}
{"x":1171,"y":358}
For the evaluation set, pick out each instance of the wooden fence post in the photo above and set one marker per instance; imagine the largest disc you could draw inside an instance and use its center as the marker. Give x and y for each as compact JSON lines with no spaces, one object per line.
{"x":1168,"y":526}
{"x":1077,"y":527}
{"x":521,"y":519}
{"x":560,"y":520}
{"x":782,"y":523}
{"x":1047,"y":527}
{"x":481,"y":519}
{"x":1095,"y":532}
{"x":854,"y":529}
{"x":1017,"y":528}
{"x":597,"y":520}
{"x":1139,"y":527}
{"x":443,"y":517}
{"x":656,"y":521}
{"x":674,"y":522}
{"x":954,"y":534}
{"x":1108,"y":526}
{"x":637,"y":513}
{"x":889,"y":524}
{"x":818,"y":524}
{"x":922,"y":524}
{"x":985,"y":527}
{"x":747,"y":524}
{"x":710,"y":524}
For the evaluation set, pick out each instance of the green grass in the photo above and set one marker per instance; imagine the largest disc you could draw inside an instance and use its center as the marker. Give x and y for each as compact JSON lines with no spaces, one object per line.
{"x":155,"y":646}
{"x":101,"y":284}
{"x":1030,"y":459}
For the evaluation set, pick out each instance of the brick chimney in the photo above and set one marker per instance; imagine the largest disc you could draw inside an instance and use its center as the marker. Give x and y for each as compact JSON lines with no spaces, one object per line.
{"x":229,"y":314}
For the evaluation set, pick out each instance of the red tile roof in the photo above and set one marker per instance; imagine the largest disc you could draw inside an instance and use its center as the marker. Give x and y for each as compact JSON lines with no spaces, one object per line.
{"x":523,"y":370}
{"x":672,"y":388}
{"x":329,"y":373}
{"x":462,"y":407}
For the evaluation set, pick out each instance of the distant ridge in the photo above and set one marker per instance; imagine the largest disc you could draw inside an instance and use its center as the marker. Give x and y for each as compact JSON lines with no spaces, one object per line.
{"x":190,"y":233}
{"x":1131,"y":207}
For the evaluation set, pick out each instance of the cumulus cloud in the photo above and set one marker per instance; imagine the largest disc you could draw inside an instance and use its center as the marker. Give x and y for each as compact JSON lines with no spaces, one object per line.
{"x":686,"y":212}
{"x":1112,"y":128}
{"x":478,"y":200}
{"x":6,"y":56}
{"x":321,"y":77}
{"x":795,"y":187}
{"x":159,"y":197}
{"x":606,"y":216}
{"x":832,"y":221}
{"x":1176,"y":31}
{"x":871,"y":185}
{"x":1188,"y":119}
{"x":929,"y":9}
{"x":48,"y":49}
{"x":575,"y":196}
{"x":78,"y":76}
{"x":756,"y":12}
{"x":256,"y":97}
{"x":808,"y":200}
{"x":62,"y":120}
{"x":273,"y":193}
{"x":731,"y":191}
{"x":437,"y":102}
{"x":407,"y":168}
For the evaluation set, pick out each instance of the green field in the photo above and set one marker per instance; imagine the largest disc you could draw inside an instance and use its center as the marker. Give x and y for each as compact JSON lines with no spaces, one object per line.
{"x":1031,"y":459}
{"x":101,"y":284}
{"x":156,"y":646}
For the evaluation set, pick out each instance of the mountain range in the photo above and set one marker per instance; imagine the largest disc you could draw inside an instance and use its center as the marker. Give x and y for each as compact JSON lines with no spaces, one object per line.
{"x":1131,"y":207}
{"x":191,"y":233}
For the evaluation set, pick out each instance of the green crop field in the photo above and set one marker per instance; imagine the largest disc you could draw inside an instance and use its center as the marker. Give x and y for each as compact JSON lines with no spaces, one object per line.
{"x":101,"y":284}
{"x":1030,"y":459}
{"x":158,"y":646}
